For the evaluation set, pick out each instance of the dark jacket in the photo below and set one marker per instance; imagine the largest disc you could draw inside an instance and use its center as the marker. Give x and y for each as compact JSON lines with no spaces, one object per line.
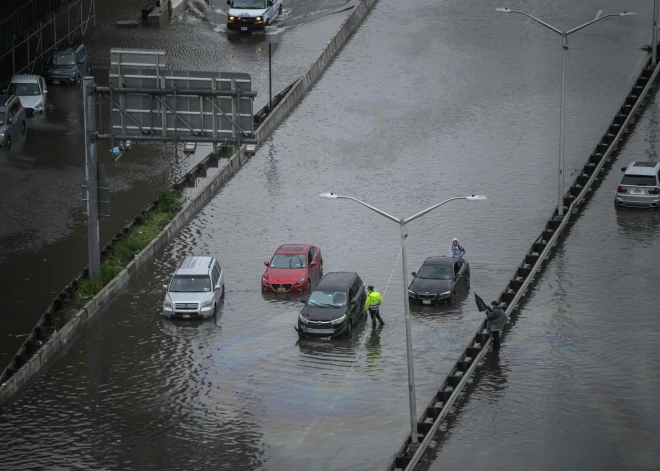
{"x":496,"y":319}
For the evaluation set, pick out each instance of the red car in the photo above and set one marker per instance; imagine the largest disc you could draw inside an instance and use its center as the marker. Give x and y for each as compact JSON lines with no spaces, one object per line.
{"x":294,"y":268}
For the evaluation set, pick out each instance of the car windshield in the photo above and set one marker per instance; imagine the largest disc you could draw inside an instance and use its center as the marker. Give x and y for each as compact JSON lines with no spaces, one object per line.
{"x":190,"y":284}
{"x":63,"y":58}
{"x":289,"y":261}
{"x":638,"y":180}
{"x":435,"y":272}
{"x":24,"y":89}
{"x":250,"y":4}
{"x":327,"y":299}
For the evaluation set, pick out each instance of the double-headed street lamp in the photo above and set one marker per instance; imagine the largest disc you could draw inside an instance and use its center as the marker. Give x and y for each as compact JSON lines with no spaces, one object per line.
{"x":402,"y":223}
{"x":564,"y":46}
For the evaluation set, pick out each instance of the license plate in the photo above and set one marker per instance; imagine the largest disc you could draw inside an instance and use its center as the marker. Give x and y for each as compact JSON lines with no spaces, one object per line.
{"x":56,"y":82}
{"x":186,"y":316}
{"x":243,"y":28}
{"x":281,"y":289}
{"x":318,"y":331}
{"x":636,"y":192}
{"x":426,"y":301}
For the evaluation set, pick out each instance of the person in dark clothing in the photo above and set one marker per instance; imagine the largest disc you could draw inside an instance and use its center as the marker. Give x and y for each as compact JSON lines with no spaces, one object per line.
{"x":496,"y":319}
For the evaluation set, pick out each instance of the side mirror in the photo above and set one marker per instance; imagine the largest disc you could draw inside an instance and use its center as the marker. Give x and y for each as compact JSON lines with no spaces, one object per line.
{"x":229,"y":2}
{"x":312,"y":264}
{"x":267,"y":264}
{"x":270,"y":3}
{"x":414,"y":273}
{"x":165,"y":287}
{"x":623,"y":169}
{"x":217,"y":288}
{"x":303,"y":300}
{"x":45,"y":91}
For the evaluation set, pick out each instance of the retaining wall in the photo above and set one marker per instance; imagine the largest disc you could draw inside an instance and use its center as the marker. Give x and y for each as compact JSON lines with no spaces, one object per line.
{"x":32,"y":357}
{"x":410,"y":457}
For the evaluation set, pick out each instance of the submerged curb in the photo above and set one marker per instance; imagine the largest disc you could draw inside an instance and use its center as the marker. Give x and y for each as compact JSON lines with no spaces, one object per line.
{"x":57,"y":344}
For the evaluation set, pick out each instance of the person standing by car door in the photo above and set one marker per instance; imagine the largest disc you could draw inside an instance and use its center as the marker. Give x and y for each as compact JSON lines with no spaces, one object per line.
{"x":456,"y":250}
{"x":495,"y":321}
{"x":372,"y":304}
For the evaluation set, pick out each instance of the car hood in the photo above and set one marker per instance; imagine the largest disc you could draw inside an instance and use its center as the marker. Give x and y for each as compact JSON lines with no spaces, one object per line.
{"x":421,"y":285}
{"x":322,"y":313}
{"x":30,"y":101}
{"x":189,"y":297}
{"x":285,"y":275}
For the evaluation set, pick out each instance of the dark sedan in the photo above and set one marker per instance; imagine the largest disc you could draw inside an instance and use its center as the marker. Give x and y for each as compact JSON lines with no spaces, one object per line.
{"x":438,"y":280}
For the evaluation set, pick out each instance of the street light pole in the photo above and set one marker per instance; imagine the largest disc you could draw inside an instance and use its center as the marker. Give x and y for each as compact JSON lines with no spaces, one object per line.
{"x":412,"y":400}
{"x":564,"y":47}
{"x":654,"y":57}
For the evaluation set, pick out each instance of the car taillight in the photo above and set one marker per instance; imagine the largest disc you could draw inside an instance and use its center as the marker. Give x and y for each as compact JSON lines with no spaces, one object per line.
{"x":621,"y":190}
{"x":654,"y":191}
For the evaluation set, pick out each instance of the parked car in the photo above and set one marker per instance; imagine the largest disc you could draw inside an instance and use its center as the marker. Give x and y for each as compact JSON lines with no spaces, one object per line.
{"x":12,"y":120}
{"x":640,"y":186}
{"x":196,"y":290}
{"x":438,"y":280}
{"x":293,"y":269}
{"x":334,"y":307}
{"x":67,"y":65}
{"x":31,"y":91}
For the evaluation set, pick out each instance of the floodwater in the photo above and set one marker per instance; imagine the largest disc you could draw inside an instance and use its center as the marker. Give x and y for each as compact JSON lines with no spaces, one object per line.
{"x":43,"y":238}
{"x":575,"y":385}
{"x":428,"y":101}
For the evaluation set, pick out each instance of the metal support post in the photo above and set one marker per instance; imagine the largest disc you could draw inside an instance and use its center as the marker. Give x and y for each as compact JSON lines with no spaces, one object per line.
{"x":412,"y":397}
{"x":654,"y":57}
{"x":91,"y":179}
{"x":270,"y":79}
{"x":564,"y":47}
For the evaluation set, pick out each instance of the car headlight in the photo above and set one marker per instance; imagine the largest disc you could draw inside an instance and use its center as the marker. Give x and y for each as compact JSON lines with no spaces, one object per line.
{"x":258,"y":18}
{"x":412,"y":292}
{"x":446,"y":293}
{"x":167,"y":303}
{"x":340,"y":320}
{"x":207,"y":303}
{"x":302,"y":319}
{"x":302,"y":280}
{"x":231,"y":18}
{"x":264,"y":280}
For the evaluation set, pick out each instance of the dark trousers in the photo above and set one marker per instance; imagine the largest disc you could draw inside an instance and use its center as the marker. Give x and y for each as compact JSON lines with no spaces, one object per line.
{"x":496,"y":339}
{"x":375,"y":314}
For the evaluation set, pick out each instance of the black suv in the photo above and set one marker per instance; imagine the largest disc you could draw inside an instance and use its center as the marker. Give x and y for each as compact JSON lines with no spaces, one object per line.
{"x":67,"y":65}
{"x":334,"y":307}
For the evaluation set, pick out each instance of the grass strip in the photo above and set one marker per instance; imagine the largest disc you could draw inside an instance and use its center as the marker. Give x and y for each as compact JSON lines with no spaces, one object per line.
{"x":122,"y":252}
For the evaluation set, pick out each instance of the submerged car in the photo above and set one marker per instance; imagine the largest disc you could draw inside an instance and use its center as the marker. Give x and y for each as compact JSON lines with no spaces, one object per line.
{"x":640,"y":186}
{"x":438,"y":280}
{"x":31,"y":91}
{"x":196,"y":290}
{"x":293,"y":269}
{"x":12,"y":120}
{"x":67,"y":65}
{"x":334,"y":307}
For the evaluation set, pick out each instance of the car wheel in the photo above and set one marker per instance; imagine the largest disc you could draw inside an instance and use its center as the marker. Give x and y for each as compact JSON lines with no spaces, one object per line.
{"x":215,"y":310}
{"x":280,"y":11}
{"x":8,"y":142}
{"x":350,"y":327}
{"x":467,"y":282}
{"x":23,"y":128}
{"x":222,"y":295}
{"x":452,"y":299}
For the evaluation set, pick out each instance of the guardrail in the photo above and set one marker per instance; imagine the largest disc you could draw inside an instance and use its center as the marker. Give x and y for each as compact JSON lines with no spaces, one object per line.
{"x":408,"y":458}
{"x":46,"y":325}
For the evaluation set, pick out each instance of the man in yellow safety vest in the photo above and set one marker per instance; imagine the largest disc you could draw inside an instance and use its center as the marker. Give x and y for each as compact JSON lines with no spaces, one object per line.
{"x":372,"y":304}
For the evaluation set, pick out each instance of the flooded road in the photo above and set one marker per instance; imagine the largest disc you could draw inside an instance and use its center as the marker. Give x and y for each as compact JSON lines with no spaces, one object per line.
{"x":420,"y":106}
{"x":43,"y":241}
{"x":575,"y":385}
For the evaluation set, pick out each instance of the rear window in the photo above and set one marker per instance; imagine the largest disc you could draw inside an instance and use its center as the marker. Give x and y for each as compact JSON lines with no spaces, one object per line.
{"x":638,"y":180}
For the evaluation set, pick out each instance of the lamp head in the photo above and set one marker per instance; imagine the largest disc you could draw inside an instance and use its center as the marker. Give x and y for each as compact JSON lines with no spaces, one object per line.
{"x":475,"y":197}
{"x":328,"y":195}
{"x":627,"y":13}
{"x":503,"y":10}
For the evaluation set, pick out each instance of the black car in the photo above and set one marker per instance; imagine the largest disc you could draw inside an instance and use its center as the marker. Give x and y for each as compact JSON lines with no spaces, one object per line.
{"x":67,"y":65}
{"x":438,"y":280}
{"x":334,"y":307}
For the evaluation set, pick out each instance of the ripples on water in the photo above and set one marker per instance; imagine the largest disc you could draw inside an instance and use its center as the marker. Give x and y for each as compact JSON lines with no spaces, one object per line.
{"x":138,"y":392}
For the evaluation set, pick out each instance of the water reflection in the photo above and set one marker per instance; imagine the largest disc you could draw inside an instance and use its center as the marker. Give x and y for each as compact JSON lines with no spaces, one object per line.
{"x":639,"y":226}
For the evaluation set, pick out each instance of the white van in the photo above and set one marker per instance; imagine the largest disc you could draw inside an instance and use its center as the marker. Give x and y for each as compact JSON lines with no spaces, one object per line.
{"x":249,"y":15}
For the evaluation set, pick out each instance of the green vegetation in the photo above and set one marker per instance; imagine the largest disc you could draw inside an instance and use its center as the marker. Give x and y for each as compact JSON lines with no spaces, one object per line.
{"x":123,"y":251}
{"x":648,"y":48}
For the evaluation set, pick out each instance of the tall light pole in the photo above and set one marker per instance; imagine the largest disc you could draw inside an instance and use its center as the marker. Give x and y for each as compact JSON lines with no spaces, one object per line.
{"x":564,"y":46}
{"x":402,"y":223}
{"x":654,"y":56}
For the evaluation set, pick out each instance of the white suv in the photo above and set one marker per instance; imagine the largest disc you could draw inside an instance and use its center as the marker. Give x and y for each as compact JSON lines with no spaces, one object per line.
{"x":196,"y":290}
{"x":640,"y":186}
